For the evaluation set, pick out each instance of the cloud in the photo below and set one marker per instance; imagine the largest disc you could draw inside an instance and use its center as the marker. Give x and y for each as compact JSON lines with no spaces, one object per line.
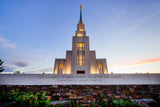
{"x":47,"y":69}
{"x":150,"y":16}
{"x":141,"y":21}
{"x":131,"y":28}
{"x":8,"y":69}
{"x":156,"y":6}
{"x":136,"y":63}
{"x":120,"y":14}
{"x":117,"y":15}
{"x":5,"y":43}
{"x":39,"y":70}
{"x":20,"y":64}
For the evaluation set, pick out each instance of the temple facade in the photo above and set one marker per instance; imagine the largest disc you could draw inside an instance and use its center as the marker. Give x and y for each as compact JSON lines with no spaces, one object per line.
{"x":80,"y":60}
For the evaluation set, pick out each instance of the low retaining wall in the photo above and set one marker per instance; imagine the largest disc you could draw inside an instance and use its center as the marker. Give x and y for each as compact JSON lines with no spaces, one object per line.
{"x":89,"y":92}
{"x":80,"y":79}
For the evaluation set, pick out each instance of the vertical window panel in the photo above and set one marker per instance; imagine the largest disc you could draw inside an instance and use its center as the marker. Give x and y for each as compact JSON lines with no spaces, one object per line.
{"x":60,"y":66}
{"x":80,"y":47}
{"x":80,"y":59}
{"x":80,"y":54}
{"x":77,"y":60}
{"x":100,"y":66}
{"x":83,"y":60}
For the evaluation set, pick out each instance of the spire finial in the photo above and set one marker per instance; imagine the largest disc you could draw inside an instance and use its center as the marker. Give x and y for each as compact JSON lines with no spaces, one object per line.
{"x":80,"y":12}
{"x":80,"y":7}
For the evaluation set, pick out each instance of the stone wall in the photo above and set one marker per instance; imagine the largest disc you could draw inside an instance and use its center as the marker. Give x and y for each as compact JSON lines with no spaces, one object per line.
{"x":88,"y":92}
{"x":85,"y":87}
{"x":80,"y":79}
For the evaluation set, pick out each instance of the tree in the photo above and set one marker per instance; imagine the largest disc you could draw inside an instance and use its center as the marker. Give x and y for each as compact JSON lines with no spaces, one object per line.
{"x":17,"y":72}
{"x":1,"y":67}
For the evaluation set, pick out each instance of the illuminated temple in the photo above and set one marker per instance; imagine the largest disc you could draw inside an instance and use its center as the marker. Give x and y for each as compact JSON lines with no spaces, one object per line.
{"x":80,"y":60}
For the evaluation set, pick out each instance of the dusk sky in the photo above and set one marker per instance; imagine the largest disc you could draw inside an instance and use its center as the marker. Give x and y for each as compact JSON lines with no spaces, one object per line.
{"x":35,"y":32}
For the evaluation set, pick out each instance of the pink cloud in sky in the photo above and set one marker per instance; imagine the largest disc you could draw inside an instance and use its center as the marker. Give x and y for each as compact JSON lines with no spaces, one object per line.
{"x":129,"y":64}
{"x":5,"y":43}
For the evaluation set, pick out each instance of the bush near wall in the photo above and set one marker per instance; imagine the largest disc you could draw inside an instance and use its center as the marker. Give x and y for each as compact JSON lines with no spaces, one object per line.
{"x":25,"y":99}
{"x":28,"y":99}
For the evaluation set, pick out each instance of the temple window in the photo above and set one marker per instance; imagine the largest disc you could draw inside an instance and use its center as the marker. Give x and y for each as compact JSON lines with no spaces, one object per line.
{"x":80,"y":47}
{"x":80,"y":59}
{"x":80,"y":54}
{"x":100,"y":66}
{"x":81,"y":29}
{"x":60,"y":66}
{"x":80,"y":34}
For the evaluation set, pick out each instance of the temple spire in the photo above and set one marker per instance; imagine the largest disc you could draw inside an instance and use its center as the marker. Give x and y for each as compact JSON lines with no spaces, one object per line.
{"x":80,"y":12}
{"x":80,"y":26}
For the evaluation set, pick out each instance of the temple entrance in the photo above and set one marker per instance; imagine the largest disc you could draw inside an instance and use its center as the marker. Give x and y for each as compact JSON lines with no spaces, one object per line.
{"x":80,"y":72}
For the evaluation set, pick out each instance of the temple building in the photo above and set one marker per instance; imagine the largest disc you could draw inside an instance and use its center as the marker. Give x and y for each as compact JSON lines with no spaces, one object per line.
{"x":80,"y":60}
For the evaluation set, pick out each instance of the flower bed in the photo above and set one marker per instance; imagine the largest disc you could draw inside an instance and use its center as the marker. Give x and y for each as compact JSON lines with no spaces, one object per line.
{"x":40,"y":99}
{"x":28,"y":99}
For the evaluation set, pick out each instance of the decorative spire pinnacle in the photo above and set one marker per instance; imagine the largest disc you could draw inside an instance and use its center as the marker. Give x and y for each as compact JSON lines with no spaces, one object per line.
{"x":80,"y":7}
{"x":80,"y":26}
{"x":80,"y":12}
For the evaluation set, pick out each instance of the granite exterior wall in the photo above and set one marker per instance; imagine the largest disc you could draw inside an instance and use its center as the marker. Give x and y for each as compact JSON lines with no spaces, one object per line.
{"x":75,"y":68}
{"x":104,"y":63}
{"x":57,"y":62}
{"x":68,"y":62}
{"x":93,"y":64}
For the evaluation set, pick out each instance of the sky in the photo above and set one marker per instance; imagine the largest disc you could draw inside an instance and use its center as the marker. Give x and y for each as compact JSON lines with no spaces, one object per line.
{"x":35,"y":32}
